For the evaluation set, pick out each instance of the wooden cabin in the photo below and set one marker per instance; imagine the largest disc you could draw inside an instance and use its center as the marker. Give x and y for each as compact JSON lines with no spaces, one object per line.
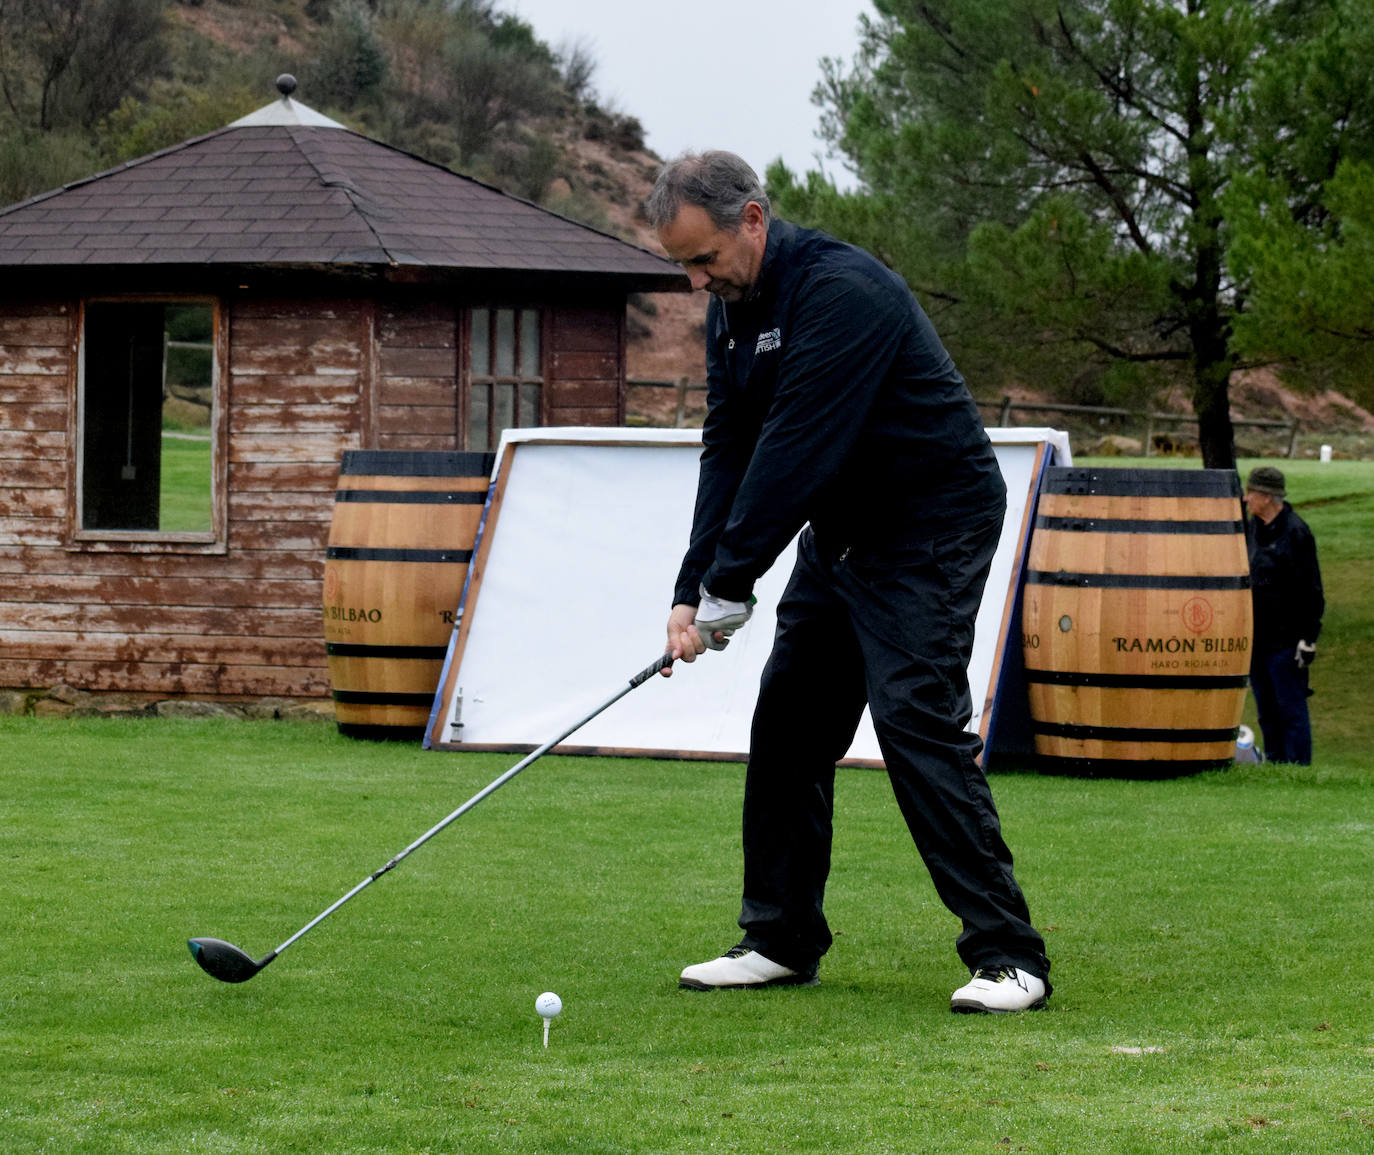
{"x":190,"y":342}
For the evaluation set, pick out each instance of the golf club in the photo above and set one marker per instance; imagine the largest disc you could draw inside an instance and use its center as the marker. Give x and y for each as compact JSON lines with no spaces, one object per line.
{"x":226,"y":962}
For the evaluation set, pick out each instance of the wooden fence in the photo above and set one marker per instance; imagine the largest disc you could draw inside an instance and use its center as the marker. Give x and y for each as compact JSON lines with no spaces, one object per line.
{"x":1007,"y":406}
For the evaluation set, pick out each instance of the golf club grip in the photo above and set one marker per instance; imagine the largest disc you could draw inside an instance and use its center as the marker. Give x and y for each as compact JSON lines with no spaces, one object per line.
{"x":649,"y":671}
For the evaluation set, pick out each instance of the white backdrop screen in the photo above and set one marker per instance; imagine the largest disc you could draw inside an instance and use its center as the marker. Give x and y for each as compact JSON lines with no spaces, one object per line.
{"x":572,"y":583}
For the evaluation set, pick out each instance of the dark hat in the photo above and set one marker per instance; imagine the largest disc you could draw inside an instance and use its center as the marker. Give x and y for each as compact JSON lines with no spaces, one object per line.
{"x":1266,"y":479}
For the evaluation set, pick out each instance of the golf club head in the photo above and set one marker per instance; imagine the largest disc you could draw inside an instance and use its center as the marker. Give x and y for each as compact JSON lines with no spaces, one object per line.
{"x":224,"y":961}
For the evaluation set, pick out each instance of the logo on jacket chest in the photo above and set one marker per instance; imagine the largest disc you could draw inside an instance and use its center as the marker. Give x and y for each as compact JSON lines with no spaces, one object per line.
{"x":769,"y":342}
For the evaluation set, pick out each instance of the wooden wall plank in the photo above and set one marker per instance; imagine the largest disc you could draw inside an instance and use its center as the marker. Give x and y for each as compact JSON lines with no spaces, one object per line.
{"x":570,"y":366}
{"x":30,"y":307}
{"x":297,"y":537}
{"x":47,"y":474}
{"x":253,"y":334}
{"x":435,"y":421}
{"x":604,"y":415}
{"x":27,"y":501}
{"x":35,"y":360}
{"x":339,"y":389}
{"x":303,"y":308}
{"x":293,"y":418}
{"x":338,"y":356}
{"x":31,"y":388}
{"x":581,"y":394}
{"x":139,"y":619}
{"x":36,"y":531}
{"x":409,"y":361}
{"x":173,"y":678}
{"x":428,"y":442}
{"x":28,"y":560}
{"x":428,"y":391}
{"x":188,"y":591}
{"x":24,"y":445}
{"x":51,"y":417}
{"x":584,"y":329}
{"x":276,"y":505}
{"x":42,"y":328}
{"x":311,"y":476}
{"x":429,"y":323}
{"x":190,"y":649}
{"x":289,"y":448}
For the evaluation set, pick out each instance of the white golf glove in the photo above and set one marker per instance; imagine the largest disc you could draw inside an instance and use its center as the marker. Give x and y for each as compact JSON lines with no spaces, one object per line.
{"x":1305,"y":654}
{"x":717,"y":615}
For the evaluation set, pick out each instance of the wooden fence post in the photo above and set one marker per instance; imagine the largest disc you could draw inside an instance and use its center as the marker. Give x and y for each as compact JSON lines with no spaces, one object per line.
{"x":681,"y":402}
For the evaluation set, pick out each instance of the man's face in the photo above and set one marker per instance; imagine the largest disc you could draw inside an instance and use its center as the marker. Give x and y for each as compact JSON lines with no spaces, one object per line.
{"x":1262,"y":505}
{"x":721,"y":261}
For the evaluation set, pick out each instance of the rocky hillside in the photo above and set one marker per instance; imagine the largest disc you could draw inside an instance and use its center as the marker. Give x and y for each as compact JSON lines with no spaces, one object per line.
{"x":665,"y":330}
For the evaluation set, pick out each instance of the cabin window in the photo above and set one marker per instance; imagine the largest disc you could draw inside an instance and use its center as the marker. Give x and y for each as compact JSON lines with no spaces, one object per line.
{"x":505,"y":374}
{"x":147,"y":446}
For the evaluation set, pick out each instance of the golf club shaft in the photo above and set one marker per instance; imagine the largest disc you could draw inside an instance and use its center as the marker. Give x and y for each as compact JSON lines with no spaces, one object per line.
{"x":533,"y":756}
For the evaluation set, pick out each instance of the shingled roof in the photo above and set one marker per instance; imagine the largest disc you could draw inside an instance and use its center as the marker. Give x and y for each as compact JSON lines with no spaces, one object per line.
{"x":289,"y":187}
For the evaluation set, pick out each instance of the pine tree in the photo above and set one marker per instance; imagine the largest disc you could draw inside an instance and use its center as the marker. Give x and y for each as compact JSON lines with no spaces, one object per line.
{"x":1067,"y":182}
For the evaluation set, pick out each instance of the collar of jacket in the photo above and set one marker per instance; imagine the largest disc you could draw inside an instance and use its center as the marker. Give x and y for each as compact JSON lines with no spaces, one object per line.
{"x":766,"y":286}
{"x":770,"y":269}
{"x":1276,"y":528}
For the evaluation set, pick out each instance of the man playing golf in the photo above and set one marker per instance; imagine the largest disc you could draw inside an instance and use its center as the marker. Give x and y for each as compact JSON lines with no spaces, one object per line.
{"x":833,"y":406}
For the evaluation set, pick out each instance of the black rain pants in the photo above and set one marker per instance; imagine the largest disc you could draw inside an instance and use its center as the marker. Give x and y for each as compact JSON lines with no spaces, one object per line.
{"x":893,"y":629}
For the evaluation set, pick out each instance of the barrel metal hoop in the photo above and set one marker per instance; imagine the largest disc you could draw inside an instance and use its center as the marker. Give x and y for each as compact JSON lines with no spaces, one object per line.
{"x":1138,"y":525}
{"x":357,"y":650}
{"x":1132,"y":733}
{"x":1142,"y":482}
{"x":416,"y":463}
{"x":1137,"y":768}
{"x":365,"y":553}
{"x":413,"y":496}
{"x":1137,"y":681}
{"x":1138,"y":581}
{"x":372,"y":698}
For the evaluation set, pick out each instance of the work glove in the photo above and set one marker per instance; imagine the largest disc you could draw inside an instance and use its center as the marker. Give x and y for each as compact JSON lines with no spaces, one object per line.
{"x":1305,"y":654}
{"x":717,"y":615}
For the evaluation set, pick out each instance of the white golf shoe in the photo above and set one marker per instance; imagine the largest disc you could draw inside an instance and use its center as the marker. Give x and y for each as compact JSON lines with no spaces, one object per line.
{"x":996,"y":990}
{"x":740,"y":967}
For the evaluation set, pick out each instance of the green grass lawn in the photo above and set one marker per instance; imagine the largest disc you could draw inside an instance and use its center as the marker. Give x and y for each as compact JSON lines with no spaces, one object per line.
{"x":1211,"y":939}
{"x":184,"y":497}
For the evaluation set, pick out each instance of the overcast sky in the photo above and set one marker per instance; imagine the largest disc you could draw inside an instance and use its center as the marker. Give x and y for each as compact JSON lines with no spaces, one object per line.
{"x":733,"y":74}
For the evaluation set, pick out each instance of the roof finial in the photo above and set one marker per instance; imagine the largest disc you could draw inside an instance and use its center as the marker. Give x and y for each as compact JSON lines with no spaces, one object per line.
{"x":286,"y":84}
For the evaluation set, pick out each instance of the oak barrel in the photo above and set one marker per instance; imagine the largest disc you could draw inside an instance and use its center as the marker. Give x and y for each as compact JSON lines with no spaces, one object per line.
{"x":400,"y":542}
{"x":1136,"y":621}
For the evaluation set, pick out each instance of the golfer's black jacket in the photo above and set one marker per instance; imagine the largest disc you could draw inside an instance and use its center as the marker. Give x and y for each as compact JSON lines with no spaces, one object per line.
{"x":1285,"y":582}
{"x":830,"y":400}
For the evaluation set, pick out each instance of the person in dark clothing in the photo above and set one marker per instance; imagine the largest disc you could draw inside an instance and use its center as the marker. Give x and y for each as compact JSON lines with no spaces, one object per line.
{"x":1286,"y":587}
{"x":834,"y":410}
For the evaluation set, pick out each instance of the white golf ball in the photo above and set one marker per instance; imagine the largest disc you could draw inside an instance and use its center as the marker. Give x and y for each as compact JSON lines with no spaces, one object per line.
{"x":548,"y":1004}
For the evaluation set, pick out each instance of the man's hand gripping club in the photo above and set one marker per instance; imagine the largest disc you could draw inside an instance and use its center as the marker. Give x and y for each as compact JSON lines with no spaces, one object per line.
{"x":693,"y":630}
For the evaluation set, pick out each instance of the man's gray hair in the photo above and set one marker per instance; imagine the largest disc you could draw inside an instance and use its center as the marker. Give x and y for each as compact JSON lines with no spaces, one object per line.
{"x":718,"y":182}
